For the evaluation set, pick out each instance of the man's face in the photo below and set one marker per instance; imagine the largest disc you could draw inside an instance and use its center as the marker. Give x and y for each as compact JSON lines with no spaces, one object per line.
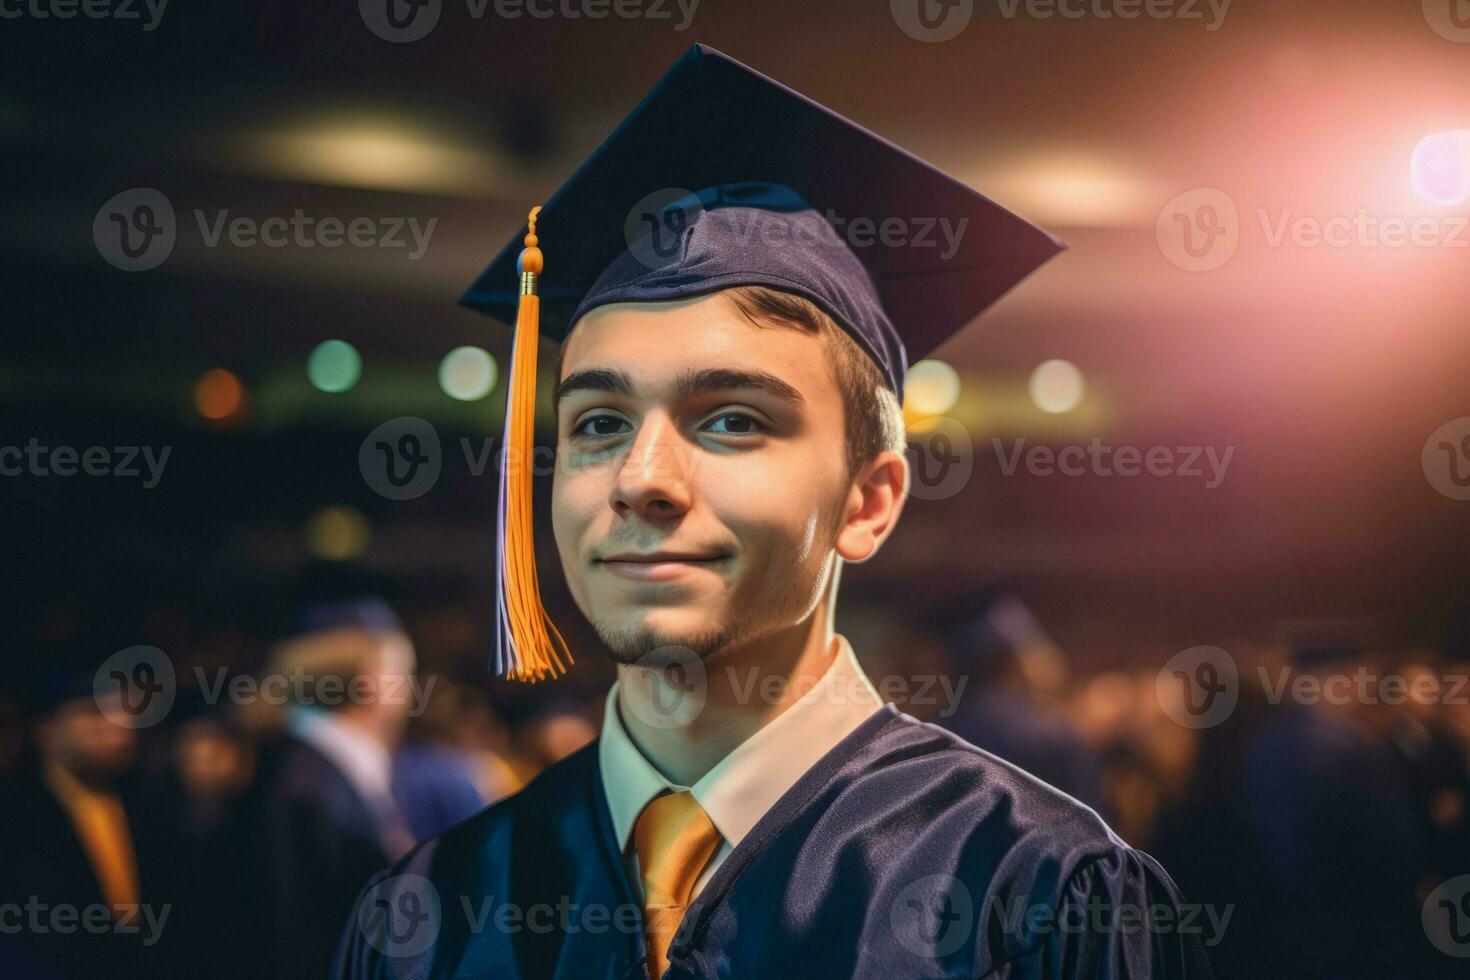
{"x":82,"y":738}
{"x":702,"y":472}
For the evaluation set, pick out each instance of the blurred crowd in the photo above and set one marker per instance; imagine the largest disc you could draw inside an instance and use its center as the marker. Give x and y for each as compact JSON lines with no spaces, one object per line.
{"x":233,"y":835}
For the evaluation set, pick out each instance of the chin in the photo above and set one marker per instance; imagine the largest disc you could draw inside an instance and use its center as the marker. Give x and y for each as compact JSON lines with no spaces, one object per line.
{"x":642,"y":635}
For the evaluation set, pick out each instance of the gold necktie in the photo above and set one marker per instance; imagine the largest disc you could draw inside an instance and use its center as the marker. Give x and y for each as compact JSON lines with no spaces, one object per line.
{"x":102,"y":827}
{"x":674,"y":839}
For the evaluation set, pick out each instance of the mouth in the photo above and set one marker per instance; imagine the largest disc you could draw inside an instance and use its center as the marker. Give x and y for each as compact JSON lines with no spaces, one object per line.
{"x":660,"y":566}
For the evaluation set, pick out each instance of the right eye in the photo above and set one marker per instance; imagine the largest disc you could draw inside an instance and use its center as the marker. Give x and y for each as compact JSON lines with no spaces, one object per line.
{"x":601,"y":426}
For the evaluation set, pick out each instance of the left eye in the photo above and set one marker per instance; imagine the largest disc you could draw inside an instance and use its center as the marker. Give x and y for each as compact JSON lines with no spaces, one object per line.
{"x":733,"y":424}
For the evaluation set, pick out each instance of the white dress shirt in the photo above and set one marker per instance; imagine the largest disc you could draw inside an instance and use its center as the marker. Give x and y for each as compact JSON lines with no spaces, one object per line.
{"x":739,"y":790}
{"x":363,"y":761}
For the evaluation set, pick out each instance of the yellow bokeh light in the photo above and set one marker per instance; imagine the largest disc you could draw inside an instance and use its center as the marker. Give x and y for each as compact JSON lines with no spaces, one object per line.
{"x":337,"y":533}
{"x":930,"y":388}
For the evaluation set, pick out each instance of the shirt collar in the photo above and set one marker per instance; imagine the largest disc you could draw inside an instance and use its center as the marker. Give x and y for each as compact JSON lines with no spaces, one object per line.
{"x":739,"y":790}
{"x":356,"y":754}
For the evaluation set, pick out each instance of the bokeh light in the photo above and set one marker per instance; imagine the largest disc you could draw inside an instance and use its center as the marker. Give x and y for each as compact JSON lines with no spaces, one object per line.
{"x":1440,"y":168}
{"x":334,"y":366}
{"x":1056,"y":386}
{"x":219,"y":394}
{"x":467,"y":373}
{"x":337,"y":533}
{"x":931,"y":388}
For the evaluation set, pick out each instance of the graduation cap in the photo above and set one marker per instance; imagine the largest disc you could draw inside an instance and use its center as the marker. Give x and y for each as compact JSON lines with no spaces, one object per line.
{"x":722,"y":177}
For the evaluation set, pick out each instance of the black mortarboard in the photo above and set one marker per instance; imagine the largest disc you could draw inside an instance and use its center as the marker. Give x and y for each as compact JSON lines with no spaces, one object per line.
{"x":712,"y":121}
{"x":722,"y":177}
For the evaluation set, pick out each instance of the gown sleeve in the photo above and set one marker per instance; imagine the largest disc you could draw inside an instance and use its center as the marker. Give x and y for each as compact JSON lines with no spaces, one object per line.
{"x":1119,"y":916}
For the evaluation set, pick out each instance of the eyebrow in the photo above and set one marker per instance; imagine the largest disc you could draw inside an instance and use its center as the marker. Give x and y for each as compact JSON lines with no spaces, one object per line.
{"x":692,"y":383}
{"x":594,"y":379}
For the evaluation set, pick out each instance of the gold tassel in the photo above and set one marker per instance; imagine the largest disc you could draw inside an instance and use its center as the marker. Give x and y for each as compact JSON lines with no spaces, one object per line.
{"x":528,"y":646}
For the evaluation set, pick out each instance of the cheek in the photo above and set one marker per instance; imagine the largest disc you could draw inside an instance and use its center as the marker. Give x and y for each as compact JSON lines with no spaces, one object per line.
{"x":778,"y":517}
{"x":576,"y":499}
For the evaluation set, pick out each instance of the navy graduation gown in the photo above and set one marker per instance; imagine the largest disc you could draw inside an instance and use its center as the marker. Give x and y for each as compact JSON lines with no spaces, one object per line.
{"x":904,"y":852}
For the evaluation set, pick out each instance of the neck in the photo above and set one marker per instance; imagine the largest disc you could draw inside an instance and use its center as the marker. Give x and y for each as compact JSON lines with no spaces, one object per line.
{"x":745,"y":687}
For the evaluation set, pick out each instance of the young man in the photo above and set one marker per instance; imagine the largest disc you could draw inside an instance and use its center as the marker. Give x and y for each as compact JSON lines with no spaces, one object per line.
{"x":729,"y":433}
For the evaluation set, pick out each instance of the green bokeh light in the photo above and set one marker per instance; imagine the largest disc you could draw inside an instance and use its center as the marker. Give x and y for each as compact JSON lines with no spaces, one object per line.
{"x":334,"y":366}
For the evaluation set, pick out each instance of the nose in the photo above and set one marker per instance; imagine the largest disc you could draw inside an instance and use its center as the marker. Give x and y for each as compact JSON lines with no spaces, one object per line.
{"x":651,"y":482}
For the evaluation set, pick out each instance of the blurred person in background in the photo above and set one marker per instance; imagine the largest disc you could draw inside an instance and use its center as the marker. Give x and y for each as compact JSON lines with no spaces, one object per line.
{"x":1333,"y":809}
{"x":434,"y":774}
{"x":195,"y":803}
{"x":322,"y":813}
{"x":1013,"y":707}
{"x":1453,"y":719}
{"x":485,"y":736}
{"x":1201,"y":816}
{"x":71,"y":826}
{"x":552,"y":733}
{"x":1414,"y":723}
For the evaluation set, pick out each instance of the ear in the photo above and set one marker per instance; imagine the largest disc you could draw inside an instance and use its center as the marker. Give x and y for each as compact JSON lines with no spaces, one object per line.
{"x":873,"y":504}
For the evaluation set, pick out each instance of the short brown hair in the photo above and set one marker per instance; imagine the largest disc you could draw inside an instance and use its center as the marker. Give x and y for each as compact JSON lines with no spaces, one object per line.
{"x":872,"y":417}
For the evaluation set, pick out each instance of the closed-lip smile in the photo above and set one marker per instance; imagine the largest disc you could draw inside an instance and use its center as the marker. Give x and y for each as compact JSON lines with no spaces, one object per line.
{"x":655,"y":566}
